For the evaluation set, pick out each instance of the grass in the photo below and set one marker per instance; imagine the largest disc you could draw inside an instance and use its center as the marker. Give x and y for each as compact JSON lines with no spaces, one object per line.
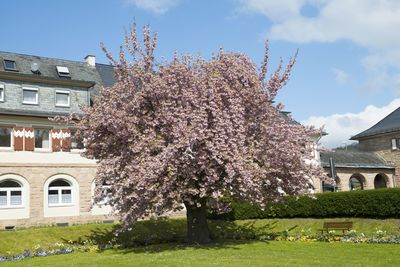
{"x":18,"y":240}
{"x":164,"y":231}
{"x":367,"y":226}
{"x":258,"y":253}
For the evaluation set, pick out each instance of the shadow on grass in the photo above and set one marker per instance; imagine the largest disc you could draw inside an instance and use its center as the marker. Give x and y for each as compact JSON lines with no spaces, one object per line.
{"x":157,"y":248}
{"x":153,"y":236}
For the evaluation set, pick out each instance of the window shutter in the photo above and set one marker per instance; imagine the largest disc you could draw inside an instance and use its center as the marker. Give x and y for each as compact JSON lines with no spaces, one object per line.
{"x":29,"y":139}
{"x":66,"y":140}
{"x":56,"y":136}
{"x":394,"y":144}
{"x":18,"y":138}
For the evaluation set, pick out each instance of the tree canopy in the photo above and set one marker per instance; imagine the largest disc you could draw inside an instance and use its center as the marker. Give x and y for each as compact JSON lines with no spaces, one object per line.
{"x":193,"y":130}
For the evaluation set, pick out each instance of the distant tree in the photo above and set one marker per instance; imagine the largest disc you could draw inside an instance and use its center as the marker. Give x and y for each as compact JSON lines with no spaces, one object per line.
{"x":191,"y":131}
{"x":351,"y":147}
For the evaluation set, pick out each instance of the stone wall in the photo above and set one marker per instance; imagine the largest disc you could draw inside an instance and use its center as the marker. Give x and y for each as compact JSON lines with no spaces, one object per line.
{"x":382,"y":145}
{"x":368,"y":177}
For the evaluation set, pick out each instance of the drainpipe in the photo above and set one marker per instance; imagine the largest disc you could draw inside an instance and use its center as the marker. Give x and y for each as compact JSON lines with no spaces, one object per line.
{"x":333,"y":172}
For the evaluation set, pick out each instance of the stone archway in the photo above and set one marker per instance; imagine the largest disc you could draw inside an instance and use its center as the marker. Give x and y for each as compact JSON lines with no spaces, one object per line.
{"x":380,"y":181}
{"x":356,"y":182}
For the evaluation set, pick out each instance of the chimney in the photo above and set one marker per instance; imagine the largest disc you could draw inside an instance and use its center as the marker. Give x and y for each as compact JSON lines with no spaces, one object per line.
{"x":90,"y":60}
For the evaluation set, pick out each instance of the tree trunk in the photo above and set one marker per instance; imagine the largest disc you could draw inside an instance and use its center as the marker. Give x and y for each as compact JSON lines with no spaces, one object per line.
{"x":197,"y":227}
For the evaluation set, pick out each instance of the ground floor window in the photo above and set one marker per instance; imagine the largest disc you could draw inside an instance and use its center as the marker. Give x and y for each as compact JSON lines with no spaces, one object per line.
{"x":106,"y":194}
{"x":10,"y":194}
{"x":60,"y":193}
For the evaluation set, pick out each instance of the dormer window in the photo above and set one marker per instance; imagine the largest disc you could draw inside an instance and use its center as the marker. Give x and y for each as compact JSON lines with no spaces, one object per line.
{"x":10,"y":65}
{"x":63,"y":72}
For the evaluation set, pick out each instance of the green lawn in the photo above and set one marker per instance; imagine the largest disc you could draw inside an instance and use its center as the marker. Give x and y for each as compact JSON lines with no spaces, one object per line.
{"x":362,"y":225}
{"x":249,"y":254}
{"x":18,"y":240}
{"x":150,"y":232}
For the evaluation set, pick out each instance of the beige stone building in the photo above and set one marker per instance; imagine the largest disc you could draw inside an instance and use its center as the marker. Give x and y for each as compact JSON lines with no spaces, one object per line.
{"x":43,"y":178}
{"x":373,"y":163}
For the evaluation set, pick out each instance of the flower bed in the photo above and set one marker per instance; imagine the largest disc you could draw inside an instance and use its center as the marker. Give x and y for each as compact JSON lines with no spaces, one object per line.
{"x":379,"y":237}
{"x":56,"y":249}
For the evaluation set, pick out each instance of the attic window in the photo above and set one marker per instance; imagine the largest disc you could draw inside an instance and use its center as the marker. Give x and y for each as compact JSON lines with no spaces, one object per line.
{"x":10,"y":65}
{"x":63,"y":72}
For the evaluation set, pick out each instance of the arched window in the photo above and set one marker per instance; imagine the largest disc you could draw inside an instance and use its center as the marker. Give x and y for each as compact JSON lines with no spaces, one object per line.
{"x":105,"y":196}
{"x":101,"y":202}
{"x":356,"y":183}
{"x":10,"y":194}
{"x":60,"y":193}
{"x":380,"y":181}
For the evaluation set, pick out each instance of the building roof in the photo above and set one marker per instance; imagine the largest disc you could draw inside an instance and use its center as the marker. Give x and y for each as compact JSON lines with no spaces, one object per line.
{"x":390,"y":123}
{"x":354,"y":159}
{"x":286,"y":115}
{"x":107,"y":74}
{"x":79,"y":71}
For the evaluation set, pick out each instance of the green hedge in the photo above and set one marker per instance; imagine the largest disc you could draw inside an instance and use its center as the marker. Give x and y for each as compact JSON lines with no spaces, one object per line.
{"x":379,"y":203}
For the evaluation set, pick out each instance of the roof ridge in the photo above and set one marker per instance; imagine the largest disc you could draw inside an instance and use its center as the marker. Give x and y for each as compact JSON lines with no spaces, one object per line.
{"x":46,"y":57}
{"x":372,"y":132}
{"x":110,"y":65}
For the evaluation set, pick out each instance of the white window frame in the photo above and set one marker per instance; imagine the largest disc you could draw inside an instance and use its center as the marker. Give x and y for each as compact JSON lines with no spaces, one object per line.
{"x":63,"y":210}
{"x":395,"y":143}
{"x":63,"y":92}
{"x":48,"y":149}
{"x":2,"y":92}
{"x":30,"y":89}
{"x":59,"y":193}
{"x":8,"y":191}
{"x":63,"y":71}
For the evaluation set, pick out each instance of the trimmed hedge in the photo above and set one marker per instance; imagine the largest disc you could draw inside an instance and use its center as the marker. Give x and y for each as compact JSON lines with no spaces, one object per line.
{"x":378,"y":203}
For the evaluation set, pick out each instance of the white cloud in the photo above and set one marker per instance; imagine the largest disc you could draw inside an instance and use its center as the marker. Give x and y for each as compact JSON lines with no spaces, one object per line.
{"x":340,"y":127}
{"x":275,"y":10}
{"x":156,"y":6}
{"x":340,"y":75}
{"x":371,"y":24}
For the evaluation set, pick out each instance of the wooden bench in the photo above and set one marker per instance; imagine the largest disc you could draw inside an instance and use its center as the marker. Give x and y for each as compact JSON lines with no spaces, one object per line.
{"x":343,"y":226}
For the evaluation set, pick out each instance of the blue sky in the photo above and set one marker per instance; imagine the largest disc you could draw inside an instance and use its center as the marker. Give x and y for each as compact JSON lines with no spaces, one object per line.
{"x":347,"y":74}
